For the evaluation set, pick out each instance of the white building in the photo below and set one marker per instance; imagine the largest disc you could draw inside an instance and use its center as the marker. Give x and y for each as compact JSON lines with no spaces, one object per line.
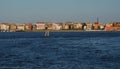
{"x":4,"y":27}
{"x":56,"y":26}
{"x":20,"y":27}
{"x":40,"y":26}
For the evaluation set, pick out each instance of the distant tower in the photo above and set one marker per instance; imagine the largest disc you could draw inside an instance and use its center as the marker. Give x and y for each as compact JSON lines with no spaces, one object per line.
{"x":97,"y":20}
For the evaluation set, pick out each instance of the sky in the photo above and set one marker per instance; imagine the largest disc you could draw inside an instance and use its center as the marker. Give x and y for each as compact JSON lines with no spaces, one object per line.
{"x":24,"y":11}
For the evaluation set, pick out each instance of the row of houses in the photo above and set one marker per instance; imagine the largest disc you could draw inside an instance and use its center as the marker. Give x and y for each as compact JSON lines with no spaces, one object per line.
{"x":14,"y":27}
{"x":59,"y":26}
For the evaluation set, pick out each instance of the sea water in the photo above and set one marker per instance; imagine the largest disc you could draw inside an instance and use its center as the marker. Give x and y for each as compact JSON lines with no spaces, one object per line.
{"x":61,"y":50}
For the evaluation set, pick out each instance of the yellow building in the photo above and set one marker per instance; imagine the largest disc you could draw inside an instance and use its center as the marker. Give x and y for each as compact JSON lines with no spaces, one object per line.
{"x":89,"y":26}
{"x":78,"y":26}
{"x":13,"y":27}
{"x":65,"y":27}
{"x":20,"y":27}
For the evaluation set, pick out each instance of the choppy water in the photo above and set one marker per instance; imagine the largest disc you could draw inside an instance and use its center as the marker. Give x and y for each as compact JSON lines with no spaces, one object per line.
{"x":83,"y":50}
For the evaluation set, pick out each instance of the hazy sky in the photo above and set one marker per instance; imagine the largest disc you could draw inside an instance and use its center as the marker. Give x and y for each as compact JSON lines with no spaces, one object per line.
{"x":20,"y":11}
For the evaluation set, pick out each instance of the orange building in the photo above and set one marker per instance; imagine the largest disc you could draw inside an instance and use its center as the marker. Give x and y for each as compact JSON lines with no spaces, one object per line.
{"x":111,"y":28}
{"x":117,"y":24}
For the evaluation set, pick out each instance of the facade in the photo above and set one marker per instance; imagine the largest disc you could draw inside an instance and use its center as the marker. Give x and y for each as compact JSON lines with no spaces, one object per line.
{"x":101,"y":26}
{"x":4,"y":27}
{"x":96,"y":26}
{"x":110,"y":28}
{"x":68,"y":26}
{"x":28,"y":26}
{"x":117,"y":24}
{"x":65,"y":26}
{"x":20,"y":27}
{"x":113,"y":26}
{"x":89,"y":26}
{"x":40,"y":25}
{"x":71,"y":25}
{"x":48,"y":26}
{"x":13,"y":27}
{"x":78,"y":26}
{"x":56,"y":26}
{"x":109,"y":24}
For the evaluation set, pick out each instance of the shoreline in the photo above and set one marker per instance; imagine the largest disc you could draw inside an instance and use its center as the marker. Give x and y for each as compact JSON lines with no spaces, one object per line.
{"x":62,"y":31}
{"x":71,"y":31}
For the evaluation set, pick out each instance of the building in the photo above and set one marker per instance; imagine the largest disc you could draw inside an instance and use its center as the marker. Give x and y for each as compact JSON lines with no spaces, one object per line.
{"x":48,"y":26}
{"x":96,"y":26}
{"x":78,"y":26}
{"x":116,"y":24}
{"x":110,"y":28}
{"x":28,"y":26}
{"x":65,"y":27}
{"x":56,"y":26}
{"x":4,"y":27}
{"x":109,"y":24}
{"x":70,"y":25}
{"x":40,"y":25}
{"x":20,"y":27}
{"x":101,"y":26}
{"x":89,"y":26}
{"x":13,"y":27}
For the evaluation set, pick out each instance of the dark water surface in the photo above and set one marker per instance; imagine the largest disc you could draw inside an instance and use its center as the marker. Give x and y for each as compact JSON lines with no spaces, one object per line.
{"x":78,"y":50}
